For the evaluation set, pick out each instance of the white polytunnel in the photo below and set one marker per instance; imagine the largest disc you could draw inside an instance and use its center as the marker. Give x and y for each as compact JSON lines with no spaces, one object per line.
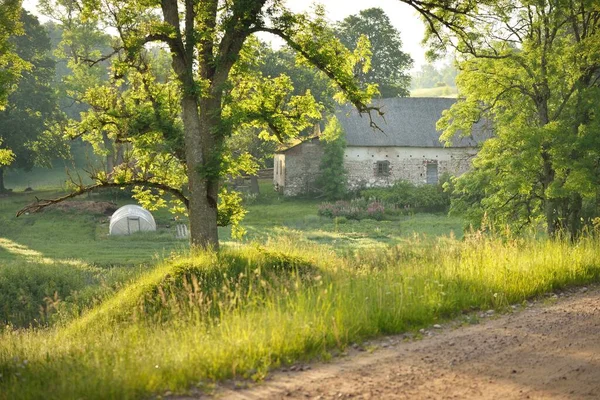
{"x":130,"y":219}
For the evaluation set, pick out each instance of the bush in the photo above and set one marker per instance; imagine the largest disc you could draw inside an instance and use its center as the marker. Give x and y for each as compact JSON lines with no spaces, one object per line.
{"x":356,"y":209}
{"x":408,"y":196}
{"x":340,"y":220}
{"x":31,"y":293}
{"x":332,"y":178}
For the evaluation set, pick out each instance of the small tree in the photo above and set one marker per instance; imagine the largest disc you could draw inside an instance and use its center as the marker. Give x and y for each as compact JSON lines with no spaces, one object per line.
{"x":332,"y":180}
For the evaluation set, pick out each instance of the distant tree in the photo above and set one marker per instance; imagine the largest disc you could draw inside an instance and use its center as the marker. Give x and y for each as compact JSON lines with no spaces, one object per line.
{"x":33,"y":104}
{"x":449,"y":73}
{"x":332,"y":179}
{"x":11,"y":65}
{"x":429,"y":76}
{"x":78,"y":41}
{"x":389,"y":65}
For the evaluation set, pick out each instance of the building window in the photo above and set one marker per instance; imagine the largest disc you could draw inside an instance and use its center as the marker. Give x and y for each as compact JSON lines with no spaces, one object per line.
{"x":432,"y":173}
{"x":382,"y":168}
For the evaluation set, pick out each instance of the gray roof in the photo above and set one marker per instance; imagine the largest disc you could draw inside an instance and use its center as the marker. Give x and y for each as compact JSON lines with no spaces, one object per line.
{"x":407,"y":122}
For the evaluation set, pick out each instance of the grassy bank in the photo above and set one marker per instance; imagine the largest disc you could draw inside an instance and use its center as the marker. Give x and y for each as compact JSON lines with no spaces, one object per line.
{"x":193,"y":320}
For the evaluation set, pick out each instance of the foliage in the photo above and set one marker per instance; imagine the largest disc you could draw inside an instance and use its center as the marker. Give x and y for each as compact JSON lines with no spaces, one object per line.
{"x":408,"y":196}
{"x":356,"y":209}
{"x":389,"y":65}
{"x":11,"y":65}
{"x":332,"y":179}
{"x":242,"y":312}
{"x":538,"y":86}
{"x":304,"y":77}
{"x":6,"y":156}
{"x":33,"y":104}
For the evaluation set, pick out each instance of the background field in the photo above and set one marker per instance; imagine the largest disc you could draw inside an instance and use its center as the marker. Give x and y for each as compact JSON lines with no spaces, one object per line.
{"x":82,"y":236}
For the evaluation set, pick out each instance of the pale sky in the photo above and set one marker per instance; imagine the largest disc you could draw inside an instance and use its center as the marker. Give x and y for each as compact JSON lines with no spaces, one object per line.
{"x":402,"y":16}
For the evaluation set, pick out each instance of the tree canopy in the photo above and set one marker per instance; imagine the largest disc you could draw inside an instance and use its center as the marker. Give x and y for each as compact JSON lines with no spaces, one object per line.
{"x":389,"y":65}
{"x":332,"y":179}
{"x":532,"y":69}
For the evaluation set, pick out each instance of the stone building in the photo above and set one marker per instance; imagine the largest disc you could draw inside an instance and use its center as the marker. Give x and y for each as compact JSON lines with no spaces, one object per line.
{"x":408,"y":148}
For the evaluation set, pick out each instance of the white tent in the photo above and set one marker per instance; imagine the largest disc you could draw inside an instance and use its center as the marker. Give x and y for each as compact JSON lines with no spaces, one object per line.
{"x":131,"y":218}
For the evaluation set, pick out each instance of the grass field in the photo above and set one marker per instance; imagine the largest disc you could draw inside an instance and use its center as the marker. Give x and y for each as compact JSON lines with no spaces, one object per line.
{"x":194,"y":320}
{"x":90,"y":316}
{"x":444,"y":91}
{"x":81,"y":236}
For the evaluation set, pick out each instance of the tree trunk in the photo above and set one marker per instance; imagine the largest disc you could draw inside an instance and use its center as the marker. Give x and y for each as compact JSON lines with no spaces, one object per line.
{"x":120,"y":157}
{"x":2,"y":188}
{"x":202,"y":190}
{"x":550,"y":205}
{"x":575,"y":216}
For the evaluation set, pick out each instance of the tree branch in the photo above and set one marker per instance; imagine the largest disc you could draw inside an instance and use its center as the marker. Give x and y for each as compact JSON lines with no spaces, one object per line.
{"x":40,"y":204}
{"x":360,"y":106}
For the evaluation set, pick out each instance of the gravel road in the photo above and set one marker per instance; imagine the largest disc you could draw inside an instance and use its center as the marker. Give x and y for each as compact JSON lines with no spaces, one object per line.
{"x":547,"y":350}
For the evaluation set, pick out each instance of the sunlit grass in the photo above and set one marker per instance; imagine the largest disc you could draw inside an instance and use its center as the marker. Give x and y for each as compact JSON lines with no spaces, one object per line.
{"x":198,"y":319}
{"x":443,"y":91}
{"x":84,"y":237}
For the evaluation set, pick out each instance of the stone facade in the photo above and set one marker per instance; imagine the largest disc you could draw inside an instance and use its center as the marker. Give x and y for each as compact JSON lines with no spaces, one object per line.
{"x":297,"y":168}
{"x":382,"y":166}
{"x":406,"y":147}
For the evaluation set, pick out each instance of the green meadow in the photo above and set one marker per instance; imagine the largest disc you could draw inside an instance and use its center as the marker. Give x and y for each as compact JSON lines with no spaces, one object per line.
{"x":90,"y":316}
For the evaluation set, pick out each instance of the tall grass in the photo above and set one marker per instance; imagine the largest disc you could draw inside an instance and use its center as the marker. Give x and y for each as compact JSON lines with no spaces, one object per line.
{"x":246,"y":310}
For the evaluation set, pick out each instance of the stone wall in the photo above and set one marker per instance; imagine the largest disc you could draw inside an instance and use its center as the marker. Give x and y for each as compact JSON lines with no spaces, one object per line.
{"x":297,"y":168}
{"x":406,"y":163}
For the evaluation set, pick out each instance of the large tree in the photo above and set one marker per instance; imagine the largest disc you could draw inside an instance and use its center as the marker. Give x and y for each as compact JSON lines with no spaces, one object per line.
{"x":209,"y":85}
{"x":389,"y":64}
{"x":33,"y":103}
{"x":533,"y":70}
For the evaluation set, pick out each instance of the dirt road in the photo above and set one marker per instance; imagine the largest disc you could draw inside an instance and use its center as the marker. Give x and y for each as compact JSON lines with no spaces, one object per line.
{"x":546,"y":351}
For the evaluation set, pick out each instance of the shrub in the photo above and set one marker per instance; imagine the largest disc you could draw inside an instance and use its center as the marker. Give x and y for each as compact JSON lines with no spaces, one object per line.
{"x":406,"y":195}
{"x":355,"y":209}
{"x":376,"y":210}
{"x":340,"y":220}
{"x":332,"y":179}
{"x":31,"y":293}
